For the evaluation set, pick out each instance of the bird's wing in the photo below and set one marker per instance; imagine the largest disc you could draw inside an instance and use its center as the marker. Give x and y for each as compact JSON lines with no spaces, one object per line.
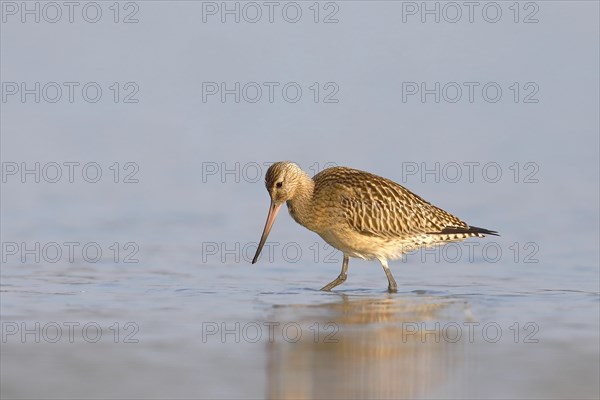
{"x":376,"y":206}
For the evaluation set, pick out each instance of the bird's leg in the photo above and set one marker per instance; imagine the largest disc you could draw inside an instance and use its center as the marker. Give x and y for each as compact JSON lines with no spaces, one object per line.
{"x":341,"y":278}
{"x":392,"y":287}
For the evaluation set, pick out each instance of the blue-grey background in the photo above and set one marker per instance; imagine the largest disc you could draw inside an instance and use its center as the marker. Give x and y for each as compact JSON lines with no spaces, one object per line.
{"x":199,"y":204}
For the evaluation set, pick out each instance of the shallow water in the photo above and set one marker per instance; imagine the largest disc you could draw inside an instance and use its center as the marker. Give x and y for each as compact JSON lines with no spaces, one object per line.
{"x":252,"y":331}
{"x":171,"y":307}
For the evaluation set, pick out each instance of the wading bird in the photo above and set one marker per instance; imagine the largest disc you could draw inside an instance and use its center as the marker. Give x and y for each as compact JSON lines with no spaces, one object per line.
{"x":360,"y":214}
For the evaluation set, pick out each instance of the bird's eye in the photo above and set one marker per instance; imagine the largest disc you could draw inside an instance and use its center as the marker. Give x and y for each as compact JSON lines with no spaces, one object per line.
{"x":279,"y":184}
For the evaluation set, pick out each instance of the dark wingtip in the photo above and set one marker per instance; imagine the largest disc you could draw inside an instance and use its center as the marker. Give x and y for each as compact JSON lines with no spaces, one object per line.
{"x":484,"y":231}
{"x":468,"y":229}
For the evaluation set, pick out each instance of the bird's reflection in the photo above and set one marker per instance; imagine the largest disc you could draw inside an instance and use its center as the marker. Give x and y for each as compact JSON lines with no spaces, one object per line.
{"x":363,"y":348}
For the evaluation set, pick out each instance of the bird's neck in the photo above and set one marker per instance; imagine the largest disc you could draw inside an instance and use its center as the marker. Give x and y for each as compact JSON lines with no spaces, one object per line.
{"x":299,"y":206}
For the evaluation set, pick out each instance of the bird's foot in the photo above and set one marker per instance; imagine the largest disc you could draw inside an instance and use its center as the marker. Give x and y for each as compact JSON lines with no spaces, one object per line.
{"x":337,"y":281}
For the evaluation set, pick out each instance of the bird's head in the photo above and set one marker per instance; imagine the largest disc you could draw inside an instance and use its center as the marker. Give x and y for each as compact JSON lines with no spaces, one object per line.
{"x":281,"y":180}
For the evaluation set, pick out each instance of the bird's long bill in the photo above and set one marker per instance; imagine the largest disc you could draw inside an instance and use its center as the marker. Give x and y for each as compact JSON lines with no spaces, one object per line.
{"x":273,"y":210}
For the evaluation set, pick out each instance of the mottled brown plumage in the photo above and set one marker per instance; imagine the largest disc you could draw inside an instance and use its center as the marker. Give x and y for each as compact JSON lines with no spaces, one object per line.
{"x":361,"y":214}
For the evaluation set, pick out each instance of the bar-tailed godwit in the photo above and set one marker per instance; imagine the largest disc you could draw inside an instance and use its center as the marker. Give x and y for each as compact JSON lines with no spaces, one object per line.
{"x":360,"y":214}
